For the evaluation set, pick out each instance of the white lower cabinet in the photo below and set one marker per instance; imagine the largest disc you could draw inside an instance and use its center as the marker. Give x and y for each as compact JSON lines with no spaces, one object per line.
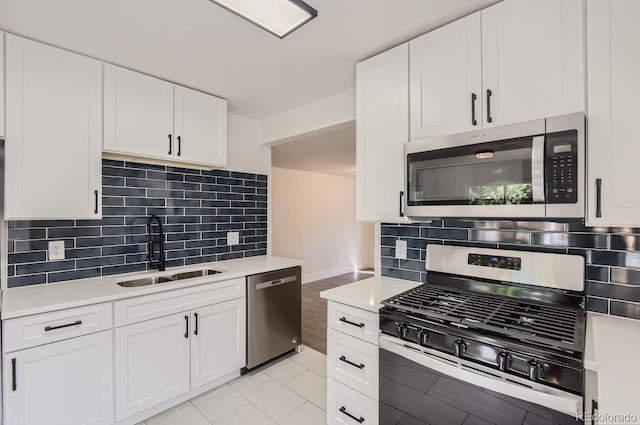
{"x":159,"y":359}
{"x":71,"y":367}
{"x":152,"y":363}
{"x":64,"y":383}
{"x":216,"y":347}
{"x":348,"y":407}
{"x":353,"y":362}
{"x":352,"y":365}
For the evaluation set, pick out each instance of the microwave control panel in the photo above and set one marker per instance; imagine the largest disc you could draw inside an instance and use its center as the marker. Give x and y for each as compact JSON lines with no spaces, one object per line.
{"x":561,"y":167}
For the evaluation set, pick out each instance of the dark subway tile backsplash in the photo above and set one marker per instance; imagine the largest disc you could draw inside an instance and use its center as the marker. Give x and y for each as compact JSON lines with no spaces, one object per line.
{"x":196,"y":207}
{"x":612,"y":254}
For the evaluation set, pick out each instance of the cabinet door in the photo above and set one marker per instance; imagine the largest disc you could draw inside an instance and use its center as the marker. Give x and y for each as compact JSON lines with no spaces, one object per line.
{"x":53,"y":132}
{"x":152,"y":363}
{"x":532,"y":60}
{"x":64,"y":383}
{"x":382,"y":126}
{"x":1,"y":85}
{"x":219,"y":341}
{"x":445,"y":81}
{"x":614,"y":90}
{"x":200,"y":127}
{"x":138,"y":114}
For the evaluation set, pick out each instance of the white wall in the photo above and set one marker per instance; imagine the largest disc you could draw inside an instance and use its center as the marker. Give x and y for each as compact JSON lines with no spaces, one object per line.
{"x":245,"y":153}
{"x":314,"y":220}
{"x":326,"y":114}
{"x":244,"y":150}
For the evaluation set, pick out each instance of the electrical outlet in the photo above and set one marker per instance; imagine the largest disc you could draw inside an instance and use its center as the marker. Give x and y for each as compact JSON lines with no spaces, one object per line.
{"x":401,"y":249}
{"x":56,"y":250}
{"x":233,"y":238}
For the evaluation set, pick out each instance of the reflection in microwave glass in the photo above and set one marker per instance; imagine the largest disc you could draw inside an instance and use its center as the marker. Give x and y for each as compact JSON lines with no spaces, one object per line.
{"x":502,"y":194}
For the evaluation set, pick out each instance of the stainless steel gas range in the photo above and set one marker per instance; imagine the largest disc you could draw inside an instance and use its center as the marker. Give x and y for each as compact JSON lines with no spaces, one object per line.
{"x":493,"y":337}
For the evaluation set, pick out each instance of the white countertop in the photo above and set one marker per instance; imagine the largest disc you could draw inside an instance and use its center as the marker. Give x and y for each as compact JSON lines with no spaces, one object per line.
{"x":612,"y":348}
{"x":27,"y":300}
{"x":368,"y":293}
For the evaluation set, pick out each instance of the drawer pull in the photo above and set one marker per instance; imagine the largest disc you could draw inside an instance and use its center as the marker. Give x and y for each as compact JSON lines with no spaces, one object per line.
{"x":347,"y":321}
{"x":68,"y":325}
{"x":343,"y":410}
{"x":344,"y":359}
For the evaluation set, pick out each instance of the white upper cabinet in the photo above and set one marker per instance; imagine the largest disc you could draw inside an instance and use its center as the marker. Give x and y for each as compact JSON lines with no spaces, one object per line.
{"x":445,"y":79}
{"x":518,"y":60}
{"x":152,"y":118}
{"x":532,"y":60}
{"x":138,"y":114}
{"x":1,"y":85}
{"x":200,"y":122}
{"x":613,"y":92}
{"x":53,"y":132}
{"x":382,"y":127}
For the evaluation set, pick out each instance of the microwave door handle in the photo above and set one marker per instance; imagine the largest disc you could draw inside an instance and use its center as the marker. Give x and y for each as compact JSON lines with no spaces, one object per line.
{"x":537,"y":169}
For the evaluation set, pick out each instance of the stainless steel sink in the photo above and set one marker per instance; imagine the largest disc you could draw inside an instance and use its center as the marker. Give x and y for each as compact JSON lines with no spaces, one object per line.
{"x":194,"y":273}
{"x":145,"y":281}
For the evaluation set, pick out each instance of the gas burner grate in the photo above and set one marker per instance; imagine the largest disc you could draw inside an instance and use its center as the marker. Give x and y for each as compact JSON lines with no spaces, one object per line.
{"x":539,"y":323}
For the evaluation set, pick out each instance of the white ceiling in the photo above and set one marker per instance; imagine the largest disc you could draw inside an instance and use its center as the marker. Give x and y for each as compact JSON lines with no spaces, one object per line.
{"x":328,"y":153}
{"x":198,"y":44}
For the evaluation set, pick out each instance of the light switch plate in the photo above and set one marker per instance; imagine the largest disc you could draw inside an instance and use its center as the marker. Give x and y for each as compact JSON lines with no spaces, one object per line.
{"x":401,"y":249}
{"x":233,"y":238}
{"x":56,"y":250}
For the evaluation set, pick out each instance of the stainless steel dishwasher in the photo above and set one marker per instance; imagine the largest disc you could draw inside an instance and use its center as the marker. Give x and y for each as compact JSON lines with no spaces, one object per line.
{"x":274,"y":325}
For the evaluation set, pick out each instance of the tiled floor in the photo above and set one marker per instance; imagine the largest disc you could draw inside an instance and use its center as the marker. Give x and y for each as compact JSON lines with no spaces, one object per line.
{"x":292,"y":391}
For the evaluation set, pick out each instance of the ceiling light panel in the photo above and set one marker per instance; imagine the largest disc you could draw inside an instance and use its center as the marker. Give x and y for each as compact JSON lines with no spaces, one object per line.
{"x":279,"y":17}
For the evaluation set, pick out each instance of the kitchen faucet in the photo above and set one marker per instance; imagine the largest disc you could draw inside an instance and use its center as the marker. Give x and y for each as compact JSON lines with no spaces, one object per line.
{"x":153,"y":262}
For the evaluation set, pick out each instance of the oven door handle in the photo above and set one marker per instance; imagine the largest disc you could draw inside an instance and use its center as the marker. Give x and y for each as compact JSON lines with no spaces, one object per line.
{"x":537,"y":169}
{"x":561,"y":401}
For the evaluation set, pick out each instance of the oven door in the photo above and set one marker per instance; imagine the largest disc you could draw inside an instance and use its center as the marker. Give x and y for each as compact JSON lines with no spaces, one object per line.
{"x":498,"y":178}
{"x":420,"y":388}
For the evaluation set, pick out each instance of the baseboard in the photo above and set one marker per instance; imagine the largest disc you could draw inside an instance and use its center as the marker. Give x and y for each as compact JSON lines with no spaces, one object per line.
{"x":325,"y":274}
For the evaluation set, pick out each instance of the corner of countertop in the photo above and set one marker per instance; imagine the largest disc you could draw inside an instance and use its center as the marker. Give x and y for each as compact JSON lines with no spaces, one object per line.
{"x":368,"y":293}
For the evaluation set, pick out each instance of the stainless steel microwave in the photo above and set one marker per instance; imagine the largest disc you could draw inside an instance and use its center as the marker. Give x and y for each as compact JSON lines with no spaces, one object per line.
{"x":531,"y":169}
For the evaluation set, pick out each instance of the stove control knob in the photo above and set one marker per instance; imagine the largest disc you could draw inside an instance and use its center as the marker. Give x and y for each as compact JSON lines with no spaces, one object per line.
{"x":460,"y":347}
{"x":534,"y":370}
{"x":423,"y":337}
{"x":402,"y":330}
{"x":504,"y":361}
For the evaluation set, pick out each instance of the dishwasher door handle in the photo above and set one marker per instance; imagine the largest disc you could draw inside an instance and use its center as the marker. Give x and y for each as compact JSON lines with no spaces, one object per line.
{"x":276,"y":282}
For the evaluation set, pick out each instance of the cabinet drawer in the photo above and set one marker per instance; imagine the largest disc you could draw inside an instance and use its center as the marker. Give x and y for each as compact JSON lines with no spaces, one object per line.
{"x":353,"y":362}
{"x":148,"y":307}
{"x":45,"y":328}
{"x":348,"y":407}
{"x":353,"y":321}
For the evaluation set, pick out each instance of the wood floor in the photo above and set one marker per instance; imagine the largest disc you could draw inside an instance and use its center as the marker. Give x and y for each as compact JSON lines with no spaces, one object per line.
{"x":314,"y":308}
